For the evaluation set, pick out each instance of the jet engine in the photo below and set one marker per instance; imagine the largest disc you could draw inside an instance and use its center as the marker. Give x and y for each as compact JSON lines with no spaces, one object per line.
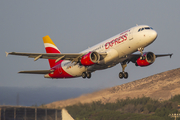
{"x":148,"y":59}
{"x":90,"y":59}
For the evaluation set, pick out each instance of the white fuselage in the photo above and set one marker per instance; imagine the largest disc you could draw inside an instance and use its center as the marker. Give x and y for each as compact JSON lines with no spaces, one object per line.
{"x":117,"y":48}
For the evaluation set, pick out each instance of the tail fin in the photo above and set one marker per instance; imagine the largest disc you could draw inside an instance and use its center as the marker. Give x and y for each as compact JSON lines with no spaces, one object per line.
{"x":50,"y":48}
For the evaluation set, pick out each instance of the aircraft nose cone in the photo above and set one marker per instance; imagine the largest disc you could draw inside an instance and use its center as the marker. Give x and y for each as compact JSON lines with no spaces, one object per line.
{"x":153,"y":34}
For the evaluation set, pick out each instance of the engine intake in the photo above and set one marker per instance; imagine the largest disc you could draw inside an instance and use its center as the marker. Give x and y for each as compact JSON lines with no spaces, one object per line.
{"x":149,"y":59}
{"x":90,"y":59}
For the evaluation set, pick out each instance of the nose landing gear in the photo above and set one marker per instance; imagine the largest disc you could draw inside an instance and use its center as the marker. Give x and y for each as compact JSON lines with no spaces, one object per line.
{"x":141,"y":51}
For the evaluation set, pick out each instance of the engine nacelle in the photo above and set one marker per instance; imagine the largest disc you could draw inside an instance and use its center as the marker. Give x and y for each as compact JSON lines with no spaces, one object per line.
{"x":90,"y":59}
{"x":149,"y":59}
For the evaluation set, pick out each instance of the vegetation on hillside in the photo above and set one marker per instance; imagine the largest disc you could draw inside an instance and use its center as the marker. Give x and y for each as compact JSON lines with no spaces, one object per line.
{"x":143,"y":108}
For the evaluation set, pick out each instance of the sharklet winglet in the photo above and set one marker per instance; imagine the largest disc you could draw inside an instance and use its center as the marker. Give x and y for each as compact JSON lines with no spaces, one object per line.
{"x":171,"y":55}
{"x":7,"y":54}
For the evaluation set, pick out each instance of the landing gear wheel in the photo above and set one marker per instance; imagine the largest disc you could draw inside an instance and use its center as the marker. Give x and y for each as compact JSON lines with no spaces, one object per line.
{"x":84,"y":75}
{"x":125,"y":75}
{"x":88,"y":75}
{"x":121,"y":75}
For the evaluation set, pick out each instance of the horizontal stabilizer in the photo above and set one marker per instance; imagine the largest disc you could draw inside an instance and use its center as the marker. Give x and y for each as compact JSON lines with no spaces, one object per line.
{"x":37,"y":71}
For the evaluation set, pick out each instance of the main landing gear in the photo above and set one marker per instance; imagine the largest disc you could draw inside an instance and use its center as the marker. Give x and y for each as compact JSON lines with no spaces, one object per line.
{"x":86,"y":75}
{"x":123,"y":74}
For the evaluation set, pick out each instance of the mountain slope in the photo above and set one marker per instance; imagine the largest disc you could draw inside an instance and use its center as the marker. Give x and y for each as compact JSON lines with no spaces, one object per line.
{"x":161,"y":86}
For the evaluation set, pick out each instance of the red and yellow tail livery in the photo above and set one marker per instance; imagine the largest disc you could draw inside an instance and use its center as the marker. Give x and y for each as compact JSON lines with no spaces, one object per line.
{"x":50,"y":48}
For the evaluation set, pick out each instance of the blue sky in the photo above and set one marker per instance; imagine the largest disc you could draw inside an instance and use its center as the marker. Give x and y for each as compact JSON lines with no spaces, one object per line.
{"x":77,"y":25}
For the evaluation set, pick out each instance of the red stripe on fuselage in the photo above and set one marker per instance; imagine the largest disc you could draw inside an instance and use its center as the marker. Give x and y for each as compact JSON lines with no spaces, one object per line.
{"x":59,"y":71}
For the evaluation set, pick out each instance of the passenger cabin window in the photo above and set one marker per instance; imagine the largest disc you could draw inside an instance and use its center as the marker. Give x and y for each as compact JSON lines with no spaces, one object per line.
{"x":145,"y":28}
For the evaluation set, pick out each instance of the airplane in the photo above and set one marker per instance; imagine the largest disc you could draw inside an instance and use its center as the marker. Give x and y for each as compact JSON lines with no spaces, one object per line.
{"x":120,"y":48}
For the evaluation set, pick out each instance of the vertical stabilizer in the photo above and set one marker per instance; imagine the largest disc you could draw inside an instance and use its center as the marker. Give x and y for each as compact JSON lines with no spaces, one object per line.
{"x":50,"y":48}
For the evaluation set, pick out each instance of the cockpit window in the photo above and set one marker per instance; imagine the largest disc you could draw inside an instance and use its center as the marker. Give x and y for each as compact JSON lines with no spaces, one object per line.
{"x":145,"y":28}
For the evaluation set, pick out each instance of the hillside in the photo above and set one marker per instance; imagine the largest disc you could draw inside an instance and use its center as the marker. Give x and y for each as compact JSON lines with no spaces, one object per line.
{"x":161,"y":86}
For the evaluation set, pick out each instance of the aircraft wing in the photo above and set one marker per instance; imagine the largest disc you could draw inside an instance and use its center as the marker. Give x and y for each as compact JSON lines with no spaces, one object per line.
{"x":162,"y":55}
{"x":157,"y":55}
{"x":62,"y":56}
{"x":134,"y":57}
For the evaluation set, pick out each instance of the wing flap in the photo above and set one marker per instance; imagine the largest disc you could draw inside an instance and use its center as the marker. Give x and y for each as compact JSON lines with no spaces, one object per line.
{"x":37,"y":71}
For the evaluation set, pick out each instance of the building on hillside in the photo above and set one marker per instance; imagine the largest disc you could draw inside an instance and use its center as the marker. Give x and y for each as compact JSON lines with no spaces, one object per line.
{"x":32,"y":113}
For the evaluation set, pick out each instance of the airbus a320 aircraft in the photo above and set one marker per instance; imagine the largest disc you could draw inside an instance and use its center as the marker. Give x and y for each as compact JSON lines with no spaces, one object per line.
{"x":115,"y":50}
